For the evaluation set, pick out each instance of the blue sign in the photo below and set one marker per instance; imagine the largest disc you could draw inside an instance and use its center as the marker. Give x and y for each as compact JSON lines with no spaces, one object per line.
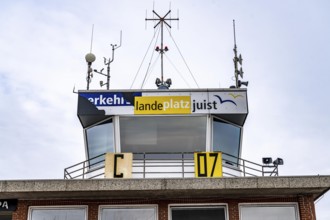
{"x":111,"y":98}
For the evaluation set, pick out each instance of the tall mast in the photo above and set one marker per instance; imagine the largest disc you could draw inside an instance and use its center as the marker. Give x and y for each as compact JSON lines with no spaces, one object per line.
{"x":237,"y":60}
{"x":161,"y":21}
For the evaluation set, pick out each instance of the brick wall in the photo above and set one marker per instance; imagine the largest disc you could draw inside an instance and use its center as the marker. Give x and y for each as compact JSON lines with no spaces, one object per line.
{"x":306,"y":208}
{"x":305,"y":204}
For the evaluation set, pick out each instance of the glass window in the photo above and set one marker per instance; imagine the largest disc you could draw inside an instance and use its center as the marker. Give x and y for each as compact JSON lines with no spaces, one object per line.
{"x":119,"y":213}
{"x":226,"y":138}
{"x":60,"y":213}
{"x":198,"y":213}
{"x":100,"y":139}
{"x":268,"y":212}
{"x":163,"y":134}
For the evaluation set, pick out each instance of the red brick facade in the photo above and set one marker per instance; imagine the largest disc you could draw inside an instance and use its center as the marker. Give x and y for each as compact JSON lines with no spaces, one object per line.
{"x":305,"y":205}
{"x":306,"y":208}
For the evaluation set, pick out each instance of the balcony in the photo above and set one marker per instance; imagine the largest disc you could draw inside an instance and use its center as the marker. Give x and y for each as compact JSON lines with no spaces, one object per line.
{"x":169,"y":165}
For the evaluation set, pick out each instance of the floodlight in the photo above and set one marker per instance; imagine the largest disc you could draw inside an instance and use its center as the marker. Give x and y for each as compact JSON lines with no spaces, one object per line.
{"x":157,"y":49}
{"x":267,"y":160}
{"x":169,"y":82}
{"x":166,"y":48}
{"x":278,"y":161}
{"x":158,"y":82}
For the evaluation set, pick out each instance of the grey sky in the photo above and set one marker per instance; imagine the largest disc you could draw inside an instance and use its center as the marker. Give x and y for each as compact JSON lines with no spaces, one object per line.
{"x":284,"y":45}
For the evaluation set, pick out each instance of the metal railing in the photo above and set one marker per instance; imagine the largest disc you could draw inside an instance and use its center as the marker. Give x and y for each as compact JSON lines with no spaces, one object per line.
{"x":168,"y":165}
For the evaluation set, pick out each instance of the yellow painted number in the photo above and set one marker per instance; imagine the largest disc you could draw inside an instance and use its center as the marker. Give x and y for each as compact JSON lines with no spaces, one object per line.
{"x":208,"y":164}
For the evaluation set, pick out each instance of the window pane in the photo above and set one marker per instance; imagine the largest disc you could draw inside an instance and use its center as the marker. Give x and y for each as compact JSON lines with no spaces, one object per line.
{"x":100,"y":139}
{"x":162,"y":134}
{"x":128,"y":214}
{"x":58,"y":214}
{"x":226,"y":138}
{"x":199,"y":213}
{"x":268,"y":213}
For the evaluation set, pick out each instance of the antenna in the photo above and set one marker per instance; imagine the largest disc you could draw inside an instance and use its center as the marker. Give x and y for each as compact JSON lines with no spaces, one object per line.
{"x":92,"y":39}
{"x":161,"y":21}
{"x":238,"y":60}
{"x":90,"y":58}
{"x":107,"y":63}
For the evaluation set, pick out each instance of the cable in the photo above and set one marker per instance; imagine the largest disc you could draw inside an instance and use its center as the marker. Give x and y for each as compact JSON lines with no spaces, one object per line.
{"x":177,"y":70}
{"x":150,"y":71}
{"x":150,"y":61}
{"x":182,"y":58}
{"x":144,"y":58}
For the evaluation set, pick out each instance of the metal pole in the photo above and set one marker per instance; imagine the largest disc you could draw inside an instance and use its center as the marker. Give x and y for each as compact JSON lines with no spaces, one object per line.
{"x":161,"y":53}
{"x":88,"y":74}
{"x":235,"y":58}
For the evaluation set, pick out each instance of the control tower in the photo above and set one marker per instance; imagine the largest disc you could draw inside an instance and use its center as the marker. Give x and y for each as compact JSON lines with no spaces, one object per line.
{"x":163,"y":129}
{"x":164,"y":154}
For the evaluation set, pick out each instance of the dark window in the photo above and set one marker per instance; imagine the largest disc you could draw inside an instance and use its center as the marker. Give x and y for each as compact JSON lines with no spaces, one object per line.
{"x":198,"y":213}
{"x":6,"y":216}
{"x":99,"y":140}
{"x":226,"y":138}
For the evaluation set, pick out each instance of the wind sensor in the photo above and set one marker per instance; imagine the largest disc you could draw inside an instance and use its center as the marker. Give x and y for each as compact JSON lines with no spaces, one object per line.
{"x":160,"y":83}
{"x":238,"y":60}
{"x":107,"y":63}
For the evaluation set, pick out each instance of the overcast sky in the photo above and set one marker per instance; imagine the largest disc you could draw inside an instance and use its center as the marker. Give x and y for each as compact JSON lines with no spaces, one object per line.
{"x":284,"y":44}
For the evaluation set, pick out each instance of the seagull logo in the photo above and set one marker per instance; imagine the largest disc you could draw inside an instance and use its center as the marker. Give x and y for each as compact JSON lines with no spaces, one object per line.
{"x":223,"y":101}
{"x":235,"y":96}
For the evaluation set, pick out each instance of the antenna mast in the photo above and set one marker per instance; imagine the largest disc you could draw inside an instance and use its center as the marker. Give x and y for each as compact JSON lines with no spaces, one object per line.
{"x":161,"y":21}
{"x":90,"y":58}
{"x":237,"y":60}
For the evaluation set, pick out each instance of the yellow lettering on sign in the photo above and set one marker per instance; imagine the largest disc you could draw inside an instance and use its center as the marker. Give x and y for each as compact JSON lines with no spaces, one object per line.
{"x":151,"y":105}
{"x":208,"y":164}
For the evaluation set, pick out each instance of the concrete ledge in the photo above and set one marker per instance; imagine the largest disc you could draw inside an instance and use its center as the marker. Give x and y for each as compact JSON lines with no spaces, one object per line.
{"x":166,"y":188}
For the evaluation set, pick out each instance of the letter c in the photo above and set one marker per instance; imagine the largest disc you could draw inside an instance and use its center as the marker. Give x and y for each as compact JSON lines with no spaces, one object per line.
{"x":115,"y":175}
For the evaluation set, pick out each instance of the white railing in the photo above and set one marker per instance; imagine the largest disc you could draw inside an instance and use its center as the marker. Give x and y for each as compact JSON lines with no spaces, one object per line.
{"x":169,"y":165}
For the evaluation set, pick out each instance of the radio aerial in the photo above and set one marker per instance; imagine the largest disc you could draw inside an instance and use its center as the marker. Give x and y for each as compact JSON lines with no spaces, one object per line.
{"x":90,"y":58}
{"x":160,"y":83}
{"x":238,"y":60}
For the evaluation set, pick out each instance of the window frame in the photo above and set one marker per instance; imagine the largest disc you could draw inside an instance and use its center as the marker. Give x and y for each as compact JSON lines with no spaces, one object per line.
{"x":197,"y":205}
{"x":61,"y":207}
{"x":270,"y":204}
{"x":128,"y":206}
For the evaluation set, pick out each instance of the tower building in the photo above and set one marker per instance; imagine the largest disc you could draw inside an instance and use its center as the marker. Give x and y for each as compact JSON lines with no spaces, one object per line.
{"x":164,"y":154}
